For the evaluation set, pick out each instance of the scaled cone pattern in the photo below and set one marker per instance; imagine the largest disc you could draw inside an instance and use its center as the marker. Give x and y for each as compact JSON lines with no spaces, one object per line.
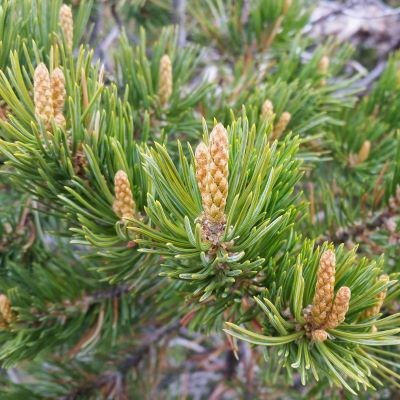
{"x":58,"y":92}
{"x":339,"y":308}
{"x":319,"y":335}
{"x":165,"y":80}
{"x":124,"y":205}
{"x":212,"y":174}
{"x":281,"y":125}
{"x":380,"y":297}
{"x":43,"y":95}
{"x":67,"y":25}
{"x":327,"y":311}
{"x":49,"y":95}
{"x":324,"y":289}
{"x":202,"y":161}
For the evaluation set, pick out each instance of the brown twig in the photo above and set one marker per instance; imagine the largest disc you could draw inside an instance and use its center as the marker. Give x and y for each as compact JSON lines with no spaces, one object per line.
{"x":109,"y":379}
{"x":363,"y":229}
{"x":84,"y":302}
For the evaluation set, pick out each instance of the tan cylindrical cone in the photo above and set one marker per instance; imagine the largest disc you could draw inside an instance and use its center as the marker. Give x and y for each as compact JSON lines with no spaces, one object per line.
{"x":339,"y":308}
{"x":42,"y":95}
{"x":124,"y":205}
{"x":67,"y":25}
{"x":165,"y":80}
{"x":324,"y":288}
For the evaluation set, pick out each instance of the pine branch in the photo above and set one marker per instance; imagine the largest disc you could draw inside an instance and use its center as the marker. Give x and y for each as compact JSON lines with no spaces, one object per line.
{"x":122,"y":368}
{"x":113,"y":224}
{"x":362,"y":231}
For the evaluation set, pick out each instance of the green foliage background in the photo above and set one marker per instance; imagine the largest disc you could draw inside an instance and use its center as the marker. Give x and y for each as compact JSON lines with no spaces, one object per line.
{"x":98,"y":301}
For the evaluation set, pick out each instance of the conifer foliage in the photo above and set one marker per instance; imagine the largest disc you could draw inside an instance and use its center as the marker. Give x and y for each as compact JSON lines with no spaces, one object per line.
{"x":204,"y":181}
